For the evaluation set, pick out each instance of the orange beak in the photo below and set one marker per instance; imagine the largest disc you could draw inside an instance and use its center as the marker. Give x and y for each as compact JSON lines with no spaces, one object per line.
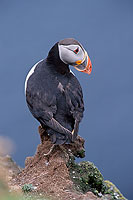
{"x":84,"y":65}
{"x":88,"y":68}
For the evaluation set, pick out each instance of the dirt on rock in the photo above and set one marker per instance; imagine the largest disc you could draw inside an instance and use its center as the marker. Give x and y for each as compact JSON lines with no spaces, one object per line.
{"x":48,"y":173}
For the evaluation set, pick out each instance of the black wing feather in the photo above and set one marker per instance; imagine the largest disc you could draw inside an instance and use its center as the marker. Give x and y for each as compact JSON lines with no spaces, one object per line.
{"x":42,"y":104}
{"x":74,"y":98}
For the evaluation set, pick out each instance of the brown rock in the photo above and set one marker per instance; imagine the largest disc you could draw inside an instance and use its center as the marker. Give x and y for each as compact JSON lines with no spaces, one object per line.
{"x":47,"y":170}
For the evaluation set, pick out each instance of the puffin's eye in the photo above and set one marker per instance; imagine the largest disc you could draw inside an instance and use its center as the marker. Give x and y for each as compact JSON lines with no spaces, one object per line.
{"x":76,"y":50}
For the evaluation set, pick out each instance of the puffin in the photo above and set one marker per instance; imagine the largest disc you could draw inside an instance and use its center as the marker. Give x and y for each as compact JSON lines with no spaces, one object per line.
{"x":53,"y":93}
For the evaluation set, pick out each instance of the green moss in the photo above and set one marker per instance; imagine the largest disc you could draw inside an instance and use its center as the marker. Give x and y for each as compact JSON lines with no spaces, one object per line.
{"x":86,"y":177}
{"x":27,"y":188}
{"x":81,"y":153}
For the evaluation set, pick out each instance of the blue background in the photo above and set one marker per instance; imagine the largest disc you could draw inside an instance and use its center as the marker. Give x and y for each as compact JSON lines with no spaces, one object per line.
{"x":28,"y":29}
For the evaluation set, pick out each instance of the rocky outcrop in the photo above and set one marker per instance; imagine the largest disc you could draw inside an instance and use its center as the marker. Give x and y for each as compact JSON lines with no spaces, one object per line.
{"x":52,"y":172}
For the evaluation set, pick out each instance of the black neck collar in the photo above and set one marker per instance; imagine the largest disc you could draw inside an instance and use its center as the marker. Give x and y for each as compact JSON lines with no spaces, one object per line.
{"x":54,"y":60}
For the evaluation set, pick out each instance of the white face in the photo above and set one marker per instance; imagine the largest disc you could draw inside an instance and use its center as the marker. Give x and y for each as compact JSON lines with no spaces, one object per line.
{"x":70,"y":54}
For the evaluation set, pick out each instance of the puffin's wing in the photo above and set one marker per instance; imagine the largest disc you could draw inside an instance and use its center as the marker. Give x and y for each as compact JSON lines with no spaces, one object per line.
{"x":74,"y":98}
{"x":43,"y":107}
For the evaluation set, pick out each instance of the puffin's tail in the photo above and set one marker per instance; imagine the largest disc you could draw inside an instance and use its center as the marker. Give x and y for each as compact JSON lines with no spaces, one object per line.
{"x":57,"y":133}
{"x":61,"y":138}
{"x":58,"y":138}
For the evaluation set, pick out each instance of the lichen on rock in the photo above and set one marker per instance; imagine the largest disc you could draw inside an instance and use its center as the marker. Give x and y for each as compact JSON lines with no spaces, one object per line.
{"x":113,"y":191}
{"x":86,"y":177}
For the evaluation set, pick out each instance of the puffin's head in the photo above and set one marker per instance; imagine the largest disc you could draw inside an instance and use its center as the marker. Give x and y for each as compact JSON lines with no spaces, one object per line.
{"x":71,"y":52}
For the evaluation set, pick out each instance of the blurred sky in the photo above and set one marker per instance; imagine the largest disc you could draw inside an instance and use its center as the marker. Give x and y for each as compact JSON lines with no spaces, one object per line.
{"x":28,"y":29}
